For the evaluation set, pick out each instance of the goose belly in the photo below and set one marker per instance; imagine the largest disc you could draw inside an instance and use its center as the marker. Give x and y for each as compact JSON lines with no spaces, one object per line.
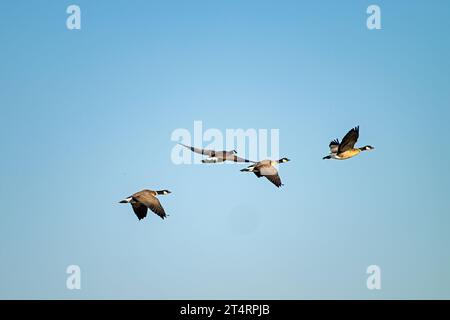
{"x":348,"y":154}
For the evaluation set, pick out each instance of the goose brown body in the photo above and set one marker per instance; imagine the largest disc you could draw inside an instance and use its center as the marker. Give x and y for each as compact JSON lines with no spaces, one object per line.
{"x":147,"y":199}
{"x":217,"y":156}
{"x":346,"y":149}
{"x":266,"y":168}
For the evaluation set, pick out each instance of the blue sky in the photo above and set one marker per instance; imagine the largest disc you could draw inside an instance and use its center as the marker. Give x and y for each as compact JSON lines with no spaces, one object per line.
{"x":87,"y":118}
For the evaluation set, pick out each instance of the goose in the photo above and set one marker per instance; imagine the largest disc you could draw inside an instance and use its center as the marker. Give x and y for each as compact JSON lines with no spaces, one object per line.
{"x":346,"y":149}
{"x":146,"y":199}
{"x":217,"y":156}
{"x":266,"y":168}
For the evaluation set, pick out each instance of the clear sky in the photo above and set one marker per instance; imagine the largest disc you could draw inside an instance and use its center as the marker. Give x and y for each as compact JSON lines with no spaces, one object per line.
{"x":87,"y":117}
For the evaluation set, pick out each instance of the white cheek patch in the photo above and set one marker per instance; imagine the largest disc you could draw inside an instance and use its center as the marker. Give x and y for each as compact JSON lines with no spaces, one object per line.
{"x":165,"y":192}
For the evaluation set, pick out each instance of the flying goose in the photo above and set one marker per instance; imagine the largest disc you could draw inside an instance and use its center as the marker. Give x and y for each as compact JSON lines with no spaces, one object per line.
{"x":346,"y":149}
{"x":146,"y":199}
{"x":266,"y":168}
{"x":217,"y":156}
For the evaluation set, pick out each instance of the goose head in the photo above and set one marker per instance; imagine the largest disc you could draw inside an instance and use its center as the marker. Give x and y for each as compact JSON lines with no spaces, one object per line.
{"x":367,"y":148}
